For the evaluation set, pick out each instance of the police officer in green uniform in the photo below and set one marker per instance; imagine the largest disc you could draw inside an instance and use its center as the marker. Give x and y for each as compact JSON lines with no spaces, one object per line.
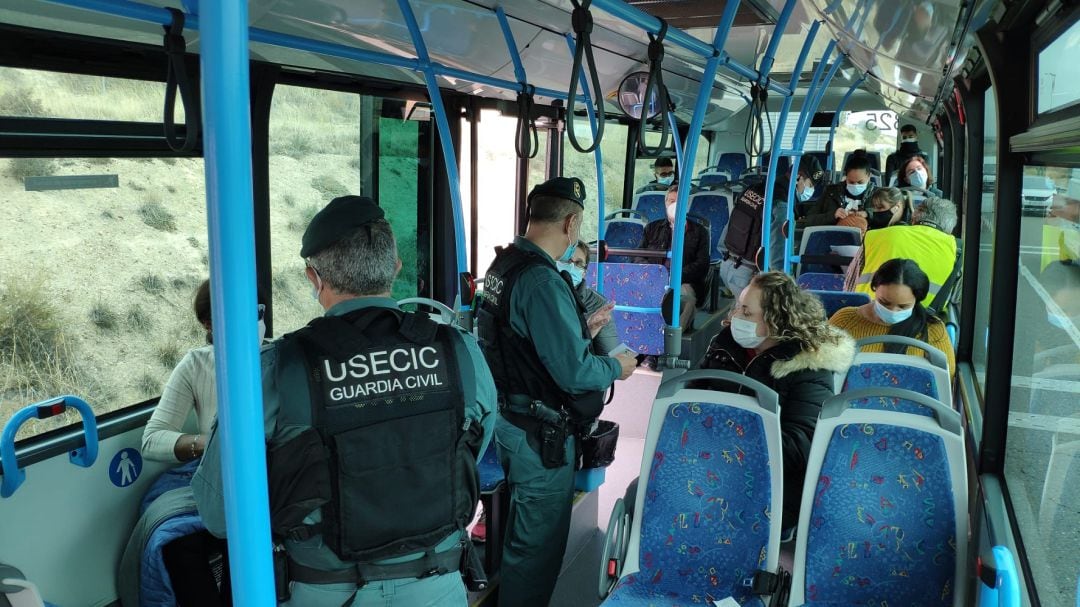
{"x":375,"y":419}
{"x":551,"y":385}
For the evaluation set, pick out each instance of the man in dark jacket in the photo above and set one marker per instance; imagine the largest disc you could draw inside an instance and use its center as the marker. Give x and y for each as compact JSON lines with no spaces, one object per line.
{"x":658,"y":237}
{"x":909,"y":146}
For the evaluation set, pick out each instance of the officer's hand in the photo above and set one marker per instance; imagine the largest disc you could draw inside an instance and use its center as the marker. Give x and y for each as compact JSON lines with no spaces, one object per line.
{"x":629,"y":363}
{"x":841,"y":213}
{"x":600,"y":318}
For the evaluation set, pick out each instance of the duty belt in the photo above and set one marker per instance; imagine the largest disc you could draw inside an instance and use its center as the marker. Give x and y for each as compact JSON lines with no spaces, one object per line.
{"x":432,"y":563}
{"x":527,"y":413}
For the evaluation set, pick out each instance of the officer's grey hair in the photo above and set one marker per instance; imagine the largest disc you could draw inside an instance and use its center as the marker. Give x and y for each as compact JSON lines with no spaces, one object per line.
{"x":552,"y":209}
{"x":940,"y":212}
{"x":362,"y":263}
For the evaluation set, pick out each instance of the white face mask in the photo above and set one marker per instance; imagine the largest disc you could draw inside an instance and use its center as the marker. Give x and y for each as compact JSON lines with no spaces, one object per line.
{"x":671,"y":208}
{"x":745,"y":333}
{"x":917,"y":178}
{"x":892,"y":317}
{"x":856,"y":189}
{"x":909,"y":140}
{"x":262,"y":331}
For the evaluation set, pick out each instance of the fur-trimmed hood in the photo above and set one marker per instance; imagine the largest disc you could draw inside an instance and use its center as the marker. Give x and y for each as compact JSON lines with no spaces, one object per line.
{"x":832,"y":357}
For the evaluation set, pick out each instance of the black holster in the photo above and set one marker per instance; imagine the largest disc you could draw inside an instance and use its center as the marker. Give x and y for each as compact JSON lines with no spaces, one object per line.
{"x":553,"y":445}
{"x":281,"y":573}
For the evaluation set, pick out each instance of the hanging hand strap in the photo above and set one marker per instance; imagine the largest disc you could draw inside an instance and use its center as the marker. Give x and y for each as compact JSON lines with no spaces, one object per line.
{"x":655,"y":84}
{"x":526,"y":139}
{"x":583,"y":26}
{"x":177,"y":77}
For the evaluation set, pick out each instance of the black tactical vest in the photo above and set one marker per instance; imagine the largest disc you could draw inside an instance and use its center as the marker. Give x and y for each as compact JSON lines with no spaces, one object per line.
{"x":513,"y":359}
{"x":387,"y":404}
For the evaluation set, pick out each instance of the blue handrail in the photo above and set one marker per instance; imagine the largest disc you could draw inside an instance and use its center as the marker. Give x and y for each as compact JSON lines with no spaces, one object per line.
{"x":675,"y":138}
{"x":84,"y":456}
{"x":836,"y":120}
{"x":511,"y":46}
{"x":443,"y":124}
{"x":598,"y":158}
{"x":778,"y":133}
{"x":227,"y":143}
{"x":686,"y":169}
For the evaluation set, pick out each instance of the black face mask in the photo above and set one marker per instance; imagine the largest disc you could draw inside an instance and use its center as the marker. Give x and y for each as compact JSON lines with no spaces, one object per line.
{"x":879,"y":219}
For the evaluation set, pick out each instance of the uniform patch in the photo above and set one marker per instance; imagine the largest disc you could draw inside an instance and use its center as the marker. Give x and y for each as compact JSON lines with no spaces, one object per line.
{"x":390,"y":374}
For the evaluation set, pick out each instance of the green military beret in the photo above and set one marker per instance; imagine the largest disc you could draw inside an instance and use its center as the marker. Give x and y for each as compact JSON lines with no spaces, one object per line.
{"x":337,"y":220}
{"x":570,"y":188}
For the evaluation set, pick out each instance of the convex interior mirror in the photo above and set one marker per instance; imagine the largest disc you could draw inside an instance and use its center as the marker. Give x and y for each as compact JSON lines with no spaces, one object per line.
{"x":632,"y":95}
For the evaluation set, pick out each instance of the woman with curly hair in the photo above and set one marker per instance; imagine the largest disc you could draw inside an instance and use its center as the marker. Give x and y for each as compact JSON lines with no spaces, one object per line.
{"x":777,"y":335}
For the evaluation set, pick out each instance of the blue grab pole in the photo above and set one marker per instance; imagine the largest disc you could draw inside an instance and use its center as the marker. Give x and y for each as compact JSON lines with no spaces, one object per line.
{"x":774,"y":42}
{"x":686,"y":169}
{"x":599,"y":159}
{"x":774,"y":157}
{"x":441,"y":122}
{"x":511,"y":46}
{"x":675,"y":138}
{"x":231,"y":218}
{"x":836,"y":119}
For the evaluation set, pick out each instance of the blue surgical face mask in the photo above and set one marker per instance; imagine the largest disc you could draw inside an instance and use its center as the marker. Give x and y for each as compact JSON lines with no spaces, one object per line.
{"x":917,"y":178}
{"x":745,"y":333}
{"x":806,"y":194}
{"x":666,"y":179}
{"x":576,"y":274}
{"x":569,"y":252}
{"x":856,"y":189}
{"x":892,"y":317}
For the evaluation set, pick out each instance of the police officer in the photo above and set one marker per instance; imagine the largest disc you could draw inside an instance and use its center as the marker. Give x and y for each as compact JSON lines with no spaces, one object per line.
{"x":551,"y":385}
{"x":375,"y":420}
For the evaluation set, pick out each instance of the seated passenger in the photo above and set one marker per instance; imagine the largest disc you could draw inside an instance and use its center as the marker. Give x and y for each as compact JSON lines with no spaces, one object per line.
{"x":608,"y":338}
{"x":899,"y":286}
{"x":928,"y":241}
{"x":742,"y":234}
{"x":888,"y":207}
{"x":191,"y":388}
{"x":665,"y":175}
{"x":777,"y":335}
{"x":845,"y":198}
{"x":915,"y":173}
{"x":658,"y":237}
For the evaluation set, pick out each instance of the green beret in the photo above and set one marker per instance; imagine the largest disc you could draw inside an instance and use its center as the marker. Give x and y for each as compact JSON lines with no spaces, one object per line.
{"x":570,"y":188}
{"x":336,"y":221}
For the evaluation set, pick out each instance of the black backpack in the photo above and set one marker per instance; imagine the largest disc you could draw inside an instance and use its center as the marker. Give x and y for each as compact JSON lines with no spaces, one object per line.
{"x":744,"y":227}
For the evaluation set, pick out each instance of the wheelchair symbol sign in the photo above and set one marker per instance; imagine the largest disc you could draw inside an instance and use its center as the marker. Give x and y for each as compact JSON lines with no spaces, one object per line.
{"x":125,"y":467}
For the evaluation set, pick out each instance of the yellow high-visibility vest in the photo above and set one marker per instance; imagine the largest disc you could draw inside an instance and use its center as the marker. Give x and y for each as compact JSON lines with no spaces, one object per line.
{"x":932,"y":249}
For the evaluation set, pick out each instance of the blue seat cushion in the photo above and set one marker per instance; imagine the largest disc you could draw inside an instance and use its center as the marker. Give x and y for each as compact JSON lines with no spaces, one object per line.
{"x":637,"y":591}
{"x":882,"y":520}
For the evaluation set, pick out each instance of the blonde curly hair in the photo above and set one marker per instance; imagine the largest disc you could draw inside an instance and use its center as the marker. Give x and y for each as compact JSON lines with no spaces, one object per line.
{"x":791,"y":313}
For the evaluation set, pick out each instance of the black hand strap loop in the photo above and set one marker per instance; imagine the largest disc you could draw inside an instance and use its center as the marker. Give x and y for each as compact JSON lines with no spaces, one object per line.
{"x":526,"y":141}
{"x":583,"y":25}
{"x":656,"y":85}
{"x":177,"y":78}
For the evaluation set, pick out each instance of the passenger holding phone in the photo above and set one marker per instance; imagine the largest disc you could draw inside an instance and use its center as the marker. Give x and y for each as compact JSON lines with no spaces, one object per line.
{"x":608,"y":338}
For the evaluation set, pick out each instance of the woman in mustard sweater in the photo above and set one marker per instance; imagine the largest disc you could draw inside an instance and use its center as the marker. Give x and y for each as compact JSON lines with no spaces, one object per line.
{"x":899,"y":287}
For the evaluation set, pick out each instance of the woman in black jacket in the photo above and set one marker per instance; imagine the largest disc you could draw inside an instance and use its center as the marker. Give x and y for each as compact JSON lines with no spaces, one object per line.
{"x":849,"y":197}
{"x":778,"y":335}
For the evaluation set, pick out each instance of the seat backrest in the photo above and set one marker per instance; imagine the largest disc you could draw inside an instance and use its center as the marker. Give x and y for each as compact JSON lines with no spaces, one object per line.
{"x":783,"y":163}
{"x":819,"y":240}
{"x":641,"y":288}
{"x":650,"y":204}
{"x":16,"y":591}
{"x":834,"y":300}
{"x":817,"y":281}
{"x":623,"y":233}
{"x":706,"y":489}
{"x":715,"y":207}
{"x":714,"y":178}
{"x":884,"y":508}
{"x":915,"y":373}
{"x":735,"y":162}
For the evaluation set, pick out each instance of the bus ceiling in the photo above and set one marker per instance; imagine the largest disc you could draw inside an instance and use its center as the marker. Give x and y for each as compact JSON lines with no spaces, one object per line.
{"x":910,"y":56}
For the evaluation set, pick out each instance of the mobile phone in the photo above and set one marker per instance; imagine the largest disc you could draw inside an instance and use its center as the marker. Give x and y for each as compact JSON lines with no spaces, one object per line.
{"x":621,"y":349}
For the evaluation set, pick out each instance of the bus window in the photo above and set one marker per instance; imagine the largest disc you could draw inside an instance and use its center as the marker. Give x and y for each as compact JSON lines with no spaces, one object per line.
{"x":583,"y":166}
{"x":985,"y":245}
{"x":96,"y":283}
{"x":1059,"y":73}
{"x":1043,"y":440}
{"x":315,"y":141}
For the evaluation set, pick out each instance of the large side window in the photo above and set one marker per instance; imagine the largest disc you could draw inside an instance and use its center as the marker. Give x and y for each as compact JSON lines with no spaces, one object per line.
{"x":984,"y":247}
{"x":583,"y":166}
{"x":1059,"y":72}
{"x":96,"y":281}
{"x":1042,"y":463}
{"x":315,"y":143}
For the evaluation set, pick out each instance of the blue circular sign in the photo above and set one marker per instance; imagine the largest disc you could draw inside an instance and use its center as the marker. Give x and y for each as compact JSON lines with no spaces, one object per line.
{"x":125,"y":467}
